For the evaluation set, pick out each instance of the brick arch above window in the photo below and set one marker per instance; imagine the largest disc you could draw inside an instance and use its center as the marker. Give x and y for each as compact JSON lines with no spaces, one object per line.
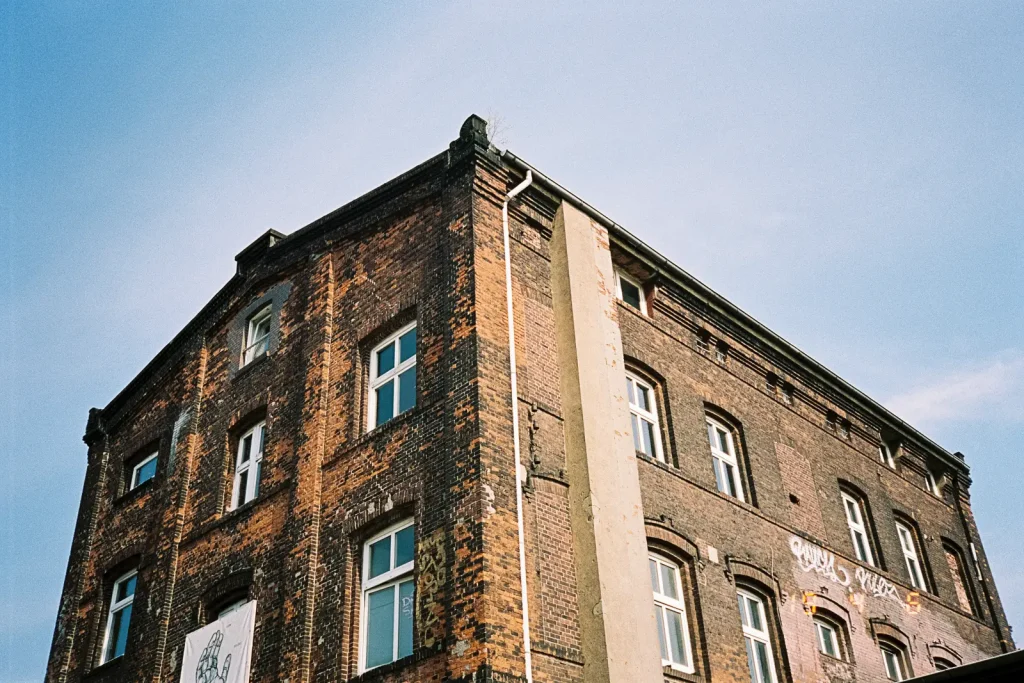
{"x":939,"y":650}
{"x":882,"y":629}
{"x":663,"y":538}
{"x":235,"y":585}
{"x":743,"y":571}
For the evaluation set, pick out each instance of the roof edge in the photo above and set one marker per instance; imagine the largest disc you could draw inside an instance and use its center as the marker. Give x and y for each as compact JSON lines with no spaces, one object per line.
{"x":716,"y":300}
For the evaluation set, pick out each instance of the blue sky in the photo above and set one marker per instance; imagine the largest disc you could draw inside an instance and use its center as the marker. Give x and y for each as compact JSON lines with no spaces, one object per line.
{"x":848,"y":173}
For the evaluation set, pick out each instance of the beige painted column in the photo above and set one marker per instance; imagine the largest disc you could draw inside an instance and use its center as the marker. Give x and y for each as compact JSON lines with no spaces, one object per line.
{"x":619,"y":633}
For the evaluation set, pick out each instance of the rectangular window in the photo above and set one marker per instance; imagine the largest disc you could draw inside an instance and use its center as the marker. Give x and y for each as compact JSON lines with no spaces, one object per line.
{"x":932,"y":484}
{"x":856,"y":519}
{"x":755,"y":634}
{"x":392,"y":377}
{"x":143,"y":471}
{"x":954,"y":559}
{"x":828,"y":638}
{"x":885,"y":455}
{"x":670,"y":611}
{"x":643,"y":413}
{"x":908,"y":542}
{"x":257,"y":336}
{"x":248,"y":464}
{"x":724,"y":459}
{"x":119,"y":617}
{"x":388,"y":596}
{"x":630,"y":291}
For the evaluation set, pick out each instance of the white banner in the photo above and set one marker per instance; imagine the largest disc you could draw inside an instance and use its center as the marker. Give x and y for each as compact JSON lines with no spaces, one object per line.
{"x":221,"y":651}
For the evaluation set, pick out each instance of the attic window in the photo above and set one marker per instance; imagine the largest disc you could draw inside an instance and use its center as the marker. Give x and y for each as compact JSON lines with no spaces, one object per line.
{"x":630,"y":291}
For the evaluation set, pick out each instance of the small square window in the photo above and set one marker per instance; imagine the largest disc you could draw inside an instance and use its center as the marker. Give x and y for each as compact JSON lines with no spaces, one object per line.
{"x":143,"y":471}
{"x":630,"y":291}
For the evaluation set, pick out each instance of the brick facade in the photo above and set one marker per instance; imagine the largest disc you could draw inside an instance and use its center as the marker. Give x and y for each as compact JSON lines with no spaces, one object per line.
{"x":427,"y":246}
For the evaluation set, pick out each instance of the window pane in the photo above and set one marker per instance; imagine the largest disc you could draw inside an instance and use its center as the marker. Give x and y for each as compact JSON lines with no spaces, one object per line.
{"x":119,"y":632}
{"x":675,"y":637}
{"x":630,"y":294}
{"x":406,"y":602}
{"x":643,"y":399}
{"x":380,"y":627}
{"x":752,"y":662}
{"x":636,"y":433}
{"x":407,"y":345}
{"x":762,"y":660}
{"x":654,"y":576}
{"x":407,"y":389}
{"x":243,"y":479}
{"x":404,"y":546}
{"x":380,"y":557}
{"x":711,"y":434}
{"x":756,"y":622}
{"x":720,"y":475}
{"x":862,"y":552}
{"x":385,"y":359}
{"x":660,"y":613}
{"x":630,"y":392}
{"x":256,"y":479}
{"x":648,"y":439}
{"x":385,"y":402}
{"x":668,"y":582}
{"x":723,"y":441}
{"x":744,"y":615}
{"x":146,"y":472}
{"x":730,"y":479}
{"x":245,"y":450}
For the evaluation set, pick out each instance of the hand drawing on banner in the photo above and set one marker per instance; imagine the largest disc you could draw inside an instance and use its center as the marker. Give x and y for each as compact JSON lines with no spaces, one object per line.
{"x":206,"y":669}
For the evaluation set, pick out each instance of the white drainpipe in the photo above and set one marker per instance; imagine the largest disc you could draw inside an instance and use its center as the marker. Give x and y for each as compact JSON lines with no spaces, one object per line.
{"x":515,"y":423}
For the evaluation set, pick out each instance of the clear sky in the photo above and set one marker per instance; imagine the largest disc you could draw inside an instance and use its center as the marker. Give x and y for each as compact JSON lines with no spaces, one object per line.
{"x":849,"y":173}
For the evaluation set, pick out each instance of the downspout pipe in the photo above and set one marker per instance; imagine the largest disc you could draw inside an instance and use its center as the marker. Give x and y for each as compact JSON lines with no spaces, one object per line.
{"x":514,"y":381}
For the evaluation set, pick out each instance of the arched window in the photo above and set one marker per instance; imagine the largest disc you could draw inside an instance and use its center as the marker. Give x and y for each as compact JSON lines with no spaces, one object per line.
{"x":643,"y":414}
{"x":388,"y":596}
{"x":961,"y":579}
{"x":830,"y":636}
{"x":913,"y":556}
{"x":943,"y":664}
{"x":670,"y":610}
{"x":754,"y":615}
{"x":119,"y":616}
{"x":725,"y":458}
{"x":894,"y":658}
{"x":859,"y":522}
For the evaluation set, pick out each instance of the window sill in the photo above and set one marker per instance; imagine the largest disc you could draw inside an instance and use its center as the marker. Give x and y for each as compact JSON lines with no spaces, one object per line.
{"x":674,"y":674}
{"x":137,"y":492}
{"x":256,"y":362}
{"x":105,"y":668}
{"x":386,"y":670}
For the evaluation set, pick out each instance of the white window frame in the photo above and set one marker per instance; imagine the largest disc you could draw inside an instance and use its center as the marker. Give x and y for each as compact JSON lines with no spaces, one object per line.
{"x":676,"y":605}
{"x":389,"y":376}
{"x":758,"y":635}
{"x":932,"y":483}
{"x":391,"y":578}
{"x":135,"y":483}
{"x":885,"y":454}
{"x":908,"y":542}
{"x":619,"y":278}
{"x":828,"y":630}
{"x":252,"y":342}
{"x":720,"y":459}
{"x":898,"y":657}
{"x":114,"y":608}
{"x":252,"y":468}
{"x":858,"y":525}
{"x":641,"y":414}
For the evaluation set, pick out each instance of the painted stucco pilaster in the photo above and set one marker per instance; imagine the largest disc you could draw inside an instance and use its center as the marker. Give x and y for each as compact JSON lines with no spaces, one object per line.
{"x":619,"y":634}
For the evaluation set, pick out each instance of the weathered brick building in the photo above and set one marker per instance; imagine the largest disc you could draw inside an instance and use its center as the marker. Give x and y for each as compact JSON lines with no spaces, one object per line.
{"x":332,"y":436}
